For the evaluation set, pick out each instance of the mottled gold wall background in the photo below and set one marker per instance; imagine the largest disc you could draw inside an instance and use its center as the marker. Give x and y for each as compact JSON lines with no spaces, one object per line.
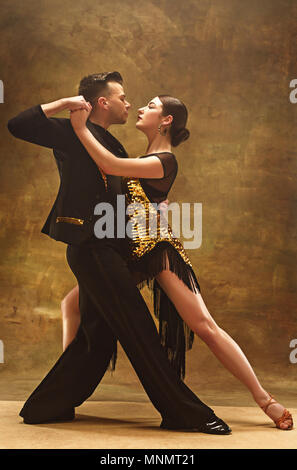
{"x":231,"y":62}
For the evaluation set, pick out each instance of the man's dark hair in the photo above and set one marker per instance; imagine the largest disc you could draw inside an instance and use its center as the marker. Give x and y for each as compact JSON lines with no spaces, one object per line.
{"x":95,"y":85}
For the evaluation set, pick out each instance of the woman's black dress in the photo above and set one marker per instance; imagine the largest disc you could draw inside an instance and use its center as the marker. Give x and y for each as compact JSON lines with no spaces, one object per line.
{"x":147,"y":256}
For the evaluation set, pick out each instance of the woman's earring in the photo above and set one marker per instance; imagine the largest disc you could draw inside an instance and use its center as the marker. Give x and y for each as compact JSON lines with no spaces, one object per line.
{"x":164,"y":132}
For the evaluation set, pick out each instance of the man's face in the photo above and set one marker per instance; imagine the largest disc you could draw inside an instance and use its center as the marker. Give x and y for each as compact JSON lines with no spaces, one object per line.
{"x":118,"y":106}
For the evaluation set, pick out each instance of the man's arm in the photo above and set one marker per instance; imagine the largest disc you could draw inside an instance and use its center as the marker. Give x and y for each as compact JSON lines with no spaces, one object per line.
{"x":71,"y":104}
{"x":36,"y":125}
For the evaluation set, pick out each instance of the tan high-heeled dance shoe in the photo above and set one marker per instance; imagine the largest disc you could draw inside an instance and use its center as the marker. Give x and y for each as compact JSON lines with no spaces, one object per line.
{"x":284,"y":417}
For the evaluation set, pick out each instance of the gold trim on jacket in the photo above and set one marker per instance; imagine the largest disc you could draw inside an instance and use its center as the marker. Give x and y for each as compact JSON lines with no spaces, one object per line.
{"x":70,"y":220}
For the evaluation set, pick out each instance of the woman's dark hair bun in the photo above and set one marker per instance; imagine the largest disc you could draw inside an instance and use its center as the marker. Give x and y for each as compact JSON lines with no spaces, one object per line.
{"x":179,"y":112}
{"x":180,"y":136}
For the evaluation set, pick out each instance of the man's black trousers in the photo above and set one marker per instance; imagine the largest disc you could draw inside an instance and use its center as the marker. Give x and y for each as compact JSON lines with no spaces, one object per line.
{"x":111,"y":308}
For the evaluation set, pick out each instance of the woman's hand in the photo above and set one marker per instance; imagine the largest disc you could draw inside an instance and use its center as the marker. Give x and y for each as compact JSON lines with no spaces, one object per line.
{"x":163,"y":206}
{"x":78,"y":117}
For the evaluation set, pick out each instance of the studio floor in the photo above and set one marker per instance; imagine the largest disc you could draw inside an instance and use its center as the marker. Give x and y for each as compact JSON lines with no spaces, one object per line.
{"x":135,"y":425}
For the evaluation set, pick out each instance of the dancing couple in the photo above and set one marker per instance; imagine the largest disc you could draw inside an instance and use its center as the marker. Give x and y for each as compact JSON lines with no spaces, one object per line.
{"x":106,"y":306}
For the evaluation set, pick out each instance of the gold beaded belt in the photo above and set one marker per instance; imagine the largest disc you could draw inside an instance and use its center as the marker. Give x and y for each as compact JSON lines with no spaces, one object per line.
{"x":70,"y":220}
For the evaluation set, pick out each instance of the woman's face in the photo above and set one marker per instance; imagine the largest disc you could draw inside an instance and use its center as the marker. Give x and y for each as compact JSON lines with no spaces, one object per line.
{"x":150,"y":116}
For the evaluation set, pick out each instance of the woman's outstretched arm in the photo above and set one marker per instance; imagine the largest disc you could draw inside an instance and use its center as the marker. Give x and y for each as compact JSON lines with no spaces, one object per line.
{"x":149,"y":167}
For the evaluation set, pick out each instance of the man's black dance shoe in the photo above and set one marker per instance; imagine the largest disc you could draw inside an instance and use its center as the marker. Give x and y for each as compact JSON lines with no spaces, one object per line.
{"x":69,"y":415}
{"x":215,"y":425}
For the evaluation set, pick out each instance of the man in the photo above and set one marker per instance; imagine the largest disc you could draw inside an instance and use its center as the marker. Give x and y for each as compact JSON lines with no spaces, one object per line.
{"x":110,"y":303}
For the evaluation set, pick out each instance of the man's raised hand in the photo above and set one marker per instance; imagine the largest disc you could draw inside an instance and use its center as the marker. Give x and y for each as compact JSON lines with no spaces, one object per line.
{"x":76,"y":102}
{"x":78,"y":117}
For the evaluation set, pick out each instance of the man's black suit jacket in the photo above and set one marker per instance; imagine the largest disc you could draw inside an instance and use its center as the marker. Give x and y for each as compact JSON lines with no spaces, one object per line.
{"x":71,"y":219}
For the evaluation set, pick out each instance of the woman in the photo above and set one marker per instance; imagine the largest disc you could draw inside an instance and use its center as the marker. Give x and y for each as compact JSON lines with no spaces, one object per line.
{"x":163,"y":122}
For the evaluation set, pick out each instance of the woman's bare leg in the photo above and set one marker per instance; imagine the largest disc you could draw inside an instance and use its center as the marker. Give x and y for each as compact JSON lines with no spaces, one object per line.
{"x":71,"y":312}
{"x":192,"y":309}
{"x":70,"y":316}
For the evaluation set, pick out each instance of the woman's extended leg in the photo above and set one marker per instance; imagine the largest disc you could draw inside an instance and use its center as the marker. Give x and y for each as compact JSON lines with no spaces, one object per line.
{"x":192,"y":309}
{"x":70,"y":315}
